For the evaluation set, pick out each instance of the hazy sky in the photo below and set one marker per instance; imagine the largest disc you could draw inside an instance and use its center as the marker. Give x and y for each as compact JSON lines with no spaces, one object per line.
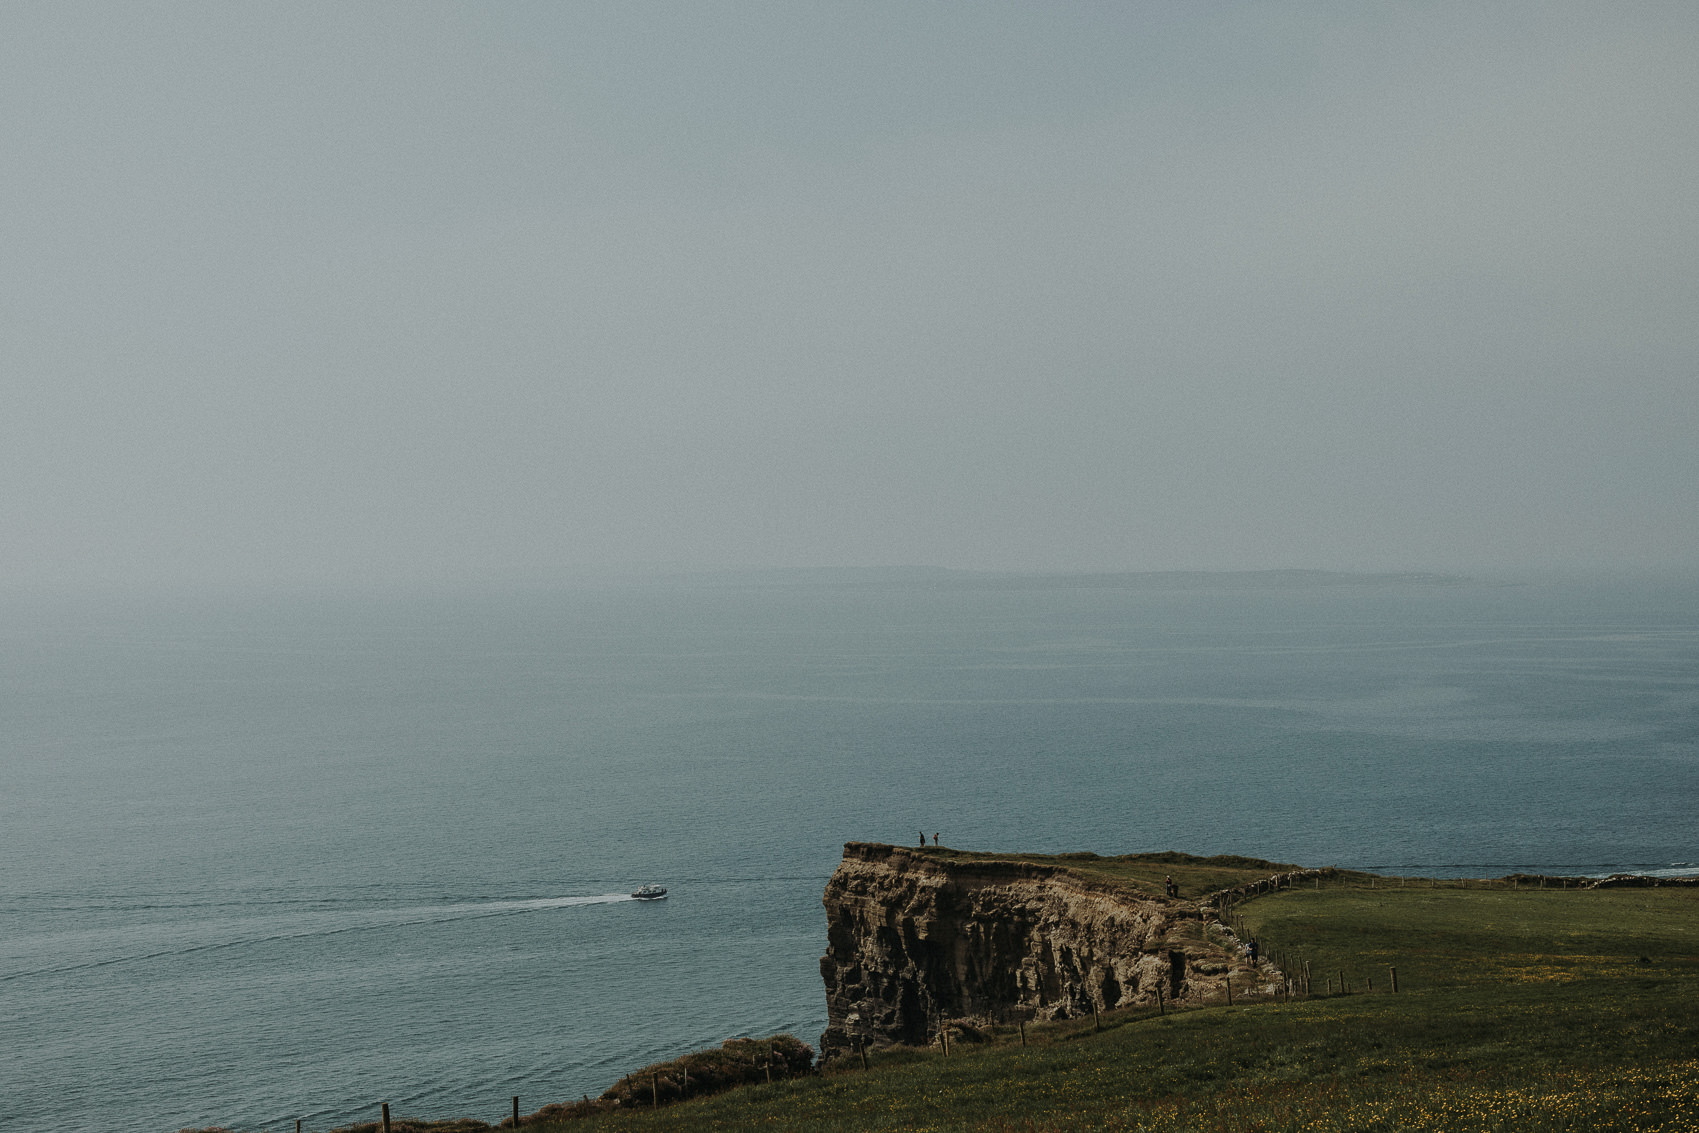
{"x":408,"y":293}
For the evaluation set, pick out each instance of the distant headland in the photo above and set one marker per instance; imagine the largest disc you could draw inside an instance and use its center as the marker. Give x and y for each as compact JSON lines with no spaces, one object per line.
{"x":946,"y":578}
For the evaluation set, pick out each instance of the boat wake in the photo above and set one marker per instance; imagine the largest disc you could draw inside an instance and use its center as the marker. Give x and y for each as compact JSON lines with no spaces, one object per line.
{"x":302,"y":926}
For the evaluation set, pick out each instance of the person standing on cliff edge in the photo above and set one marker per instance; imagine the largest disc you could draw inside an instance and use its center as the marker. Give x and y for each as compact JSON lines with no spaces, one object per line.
{"x":934,"y":838}
{"x":923,"y":839}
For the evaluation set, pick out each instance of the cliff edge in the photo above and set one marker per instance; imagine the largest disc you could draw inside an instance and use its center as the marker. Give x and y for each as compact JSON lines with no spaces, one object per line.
{"x":918,"y":939}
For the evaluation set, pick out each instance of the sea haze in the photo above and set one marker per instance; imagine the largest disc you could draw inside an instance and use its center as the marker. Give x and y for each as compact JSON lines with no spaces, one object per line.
{"x":293,"y":856}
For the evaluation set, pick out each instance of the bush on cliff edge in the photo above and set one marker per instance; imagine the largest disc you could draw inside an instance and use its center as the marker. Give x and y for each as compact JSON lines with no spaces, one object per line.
{"x":735,"y":1062}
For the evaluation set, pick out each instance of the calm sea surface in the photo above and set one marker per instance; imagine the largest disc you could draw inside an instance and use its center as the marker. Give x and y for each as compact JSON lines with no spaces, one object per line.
{"x":292,"y":857}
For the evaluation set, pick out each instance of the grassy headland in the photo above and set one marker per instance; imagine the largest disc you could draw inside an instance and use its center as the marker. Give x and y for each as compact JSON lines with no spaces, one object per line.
{"x":1519,"y":1008}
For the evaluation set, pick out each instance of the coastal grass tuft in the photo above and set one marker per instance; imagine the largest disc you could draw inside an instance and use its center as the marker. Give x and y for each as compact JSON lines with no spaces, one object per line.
{"x":1518,"y":1009}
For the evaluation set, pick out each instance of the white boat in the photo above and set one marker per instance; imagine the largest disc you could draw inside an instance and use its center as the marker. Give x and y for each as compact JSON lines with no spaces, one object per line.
{"x":650,"y":892}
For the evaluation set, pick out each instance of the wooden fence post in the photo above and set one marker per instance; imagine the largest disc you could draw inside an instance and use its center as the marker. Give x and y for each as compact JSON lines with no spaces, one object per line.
{"x":1096,"y":1024}
{"x":516,"y":1111}
{"x":385,"y":1117}
{"x":1022,"y":1023}
{"x":1227,"y":982}
{"x":1395,"y":981}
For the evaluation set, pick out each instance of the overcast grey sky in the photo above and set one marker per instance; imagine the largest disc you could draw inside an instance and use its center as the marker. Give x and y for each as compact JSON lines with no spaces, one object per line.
{"x":408,"y":293}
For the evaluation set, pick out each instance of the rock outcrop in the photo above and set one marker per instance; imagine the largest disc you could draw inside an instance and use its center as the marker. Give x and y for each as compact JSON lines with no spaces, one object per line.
{"x":917,"y":940}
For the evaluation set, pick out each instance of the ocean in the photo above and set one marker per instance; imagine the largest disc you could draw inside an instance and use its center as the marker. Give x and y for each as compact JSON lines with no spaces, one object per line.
{"x":290,"y":856}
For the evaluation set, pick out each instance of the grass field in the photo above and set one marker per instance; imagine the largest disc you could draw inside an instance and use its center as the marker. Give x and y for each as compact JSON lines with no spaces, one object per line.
{"x":1518,"y":1009}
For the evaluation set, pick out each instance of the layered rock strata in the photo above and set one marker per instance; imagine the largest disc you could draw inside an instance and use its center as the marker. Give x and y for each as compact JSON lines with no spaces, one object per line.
{"x":916,"y":940}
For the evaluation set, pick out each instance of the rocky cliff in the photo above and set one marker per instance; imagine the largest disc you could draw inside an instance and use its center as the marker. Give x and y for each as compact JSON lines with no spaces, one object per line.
{"x":916,"y":940}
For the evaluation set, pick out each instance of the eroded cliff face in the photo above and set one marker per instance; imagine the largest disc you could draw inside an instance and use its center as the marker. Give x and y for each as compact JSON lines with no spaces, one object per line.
{"x":915,"y":940}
